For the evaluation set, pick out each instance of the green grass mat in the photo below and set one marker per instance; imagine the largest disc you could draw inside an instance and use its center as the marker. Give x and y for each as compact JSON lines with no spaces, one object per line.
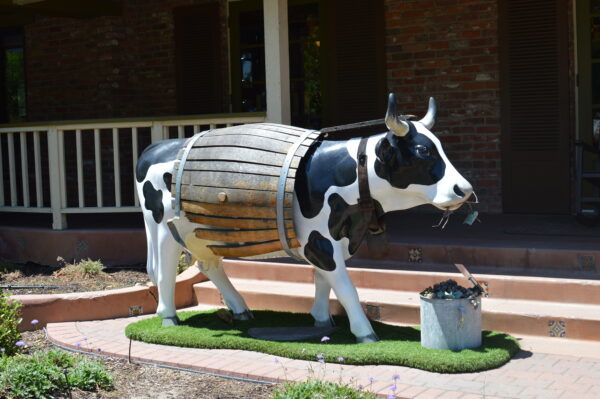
{"x":398,"y":345}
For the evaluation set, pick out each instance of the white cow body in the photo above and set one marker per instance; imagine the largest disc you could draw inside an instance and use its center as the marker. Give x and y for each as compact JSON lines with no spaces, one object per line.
{"x":448,"y":192}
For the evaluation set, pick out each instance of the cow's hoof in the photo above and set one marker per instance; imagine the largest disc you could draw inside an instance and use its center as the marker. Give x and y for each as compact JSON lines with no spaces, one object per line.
{"x":368,"y":339}
{"x":245,"y":315}
{"x":325,"y":323}
{"x":170,"y":321}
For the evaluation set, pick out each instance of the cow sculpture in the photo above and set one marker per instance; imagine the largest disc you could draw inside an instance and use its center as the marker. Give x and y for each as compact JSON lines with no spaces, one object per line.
{"x":406,"y":167}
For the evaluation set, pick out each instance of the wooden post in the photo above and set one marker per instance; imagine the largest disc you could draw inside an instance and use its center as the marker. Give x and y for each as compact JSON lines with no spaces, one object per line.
{"x":277,"y":61}
{"x":59,"y":220}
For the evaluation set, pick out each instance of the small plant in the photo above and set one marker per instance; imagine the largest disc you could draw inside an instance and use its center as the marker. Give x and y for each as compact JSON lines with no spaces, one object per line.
{"x":48,"y":374}
{"x":10,"y":317}
{"x":318,"y":389}
{"x":183,"y":263}
{"x":6,"y":267}
{"x":91,"y":267}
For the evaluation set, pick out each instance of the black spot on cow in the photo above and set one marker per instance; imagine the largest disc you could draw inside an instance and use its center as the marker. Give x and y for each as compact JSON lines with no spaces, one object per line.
{"x":163,"y":151}
{"x":326,"y":164}
{"x":153,"y":201}
{"x":319,"y":251}
{"x":168,"y":178}
{"x":348,"y":221}
{"x":412,"y":159}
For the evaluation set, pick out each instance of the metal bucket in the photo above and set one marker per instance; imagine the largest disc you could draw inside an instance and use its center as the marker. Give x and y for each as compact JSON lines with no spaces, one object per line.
{"x":453,"y":324}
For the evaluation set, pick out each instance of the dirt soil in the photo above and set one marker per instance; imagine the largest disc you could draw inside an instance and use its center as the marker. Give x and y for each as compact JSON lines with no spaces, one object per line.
{"x":136,"y":381}
{"x":37,"y":279}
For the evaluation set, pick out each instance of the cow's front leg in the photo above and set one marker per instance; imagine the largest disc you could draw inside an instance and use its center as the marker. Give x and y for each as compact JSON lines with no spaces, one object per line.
{"x":320,"y":309}
{"x":213,"y":269}
{"x":346,"y":293}
{"x":166,"y":270}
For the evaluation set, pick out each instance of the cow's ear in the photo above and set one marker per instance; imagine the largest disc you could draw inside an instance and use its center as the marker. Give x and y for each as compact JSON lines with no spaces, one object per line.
{"x":384,"y":149}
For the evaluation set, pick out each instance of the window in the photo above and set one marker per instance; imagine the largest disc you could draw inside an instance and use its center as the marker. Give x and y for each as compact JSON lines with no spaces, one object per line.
{"x":12,"y":73}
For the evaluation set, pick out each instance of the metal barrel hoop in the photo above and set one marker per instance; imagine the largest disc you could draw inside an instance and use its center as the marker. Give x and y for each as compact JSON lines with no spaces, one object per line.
{"x":180,"y":168}
{"x":281,"y":193}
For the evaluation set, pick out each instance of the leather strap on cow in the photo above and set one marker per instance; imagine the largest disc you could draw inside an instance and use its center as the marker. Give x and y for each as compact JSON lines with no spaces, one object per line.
{"x":374,"y":223}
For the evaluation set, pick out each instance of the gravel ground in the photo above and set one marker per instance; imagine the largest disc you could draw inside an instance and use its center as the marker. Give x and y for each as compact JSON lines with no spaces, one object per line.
{"x":136,"y":381}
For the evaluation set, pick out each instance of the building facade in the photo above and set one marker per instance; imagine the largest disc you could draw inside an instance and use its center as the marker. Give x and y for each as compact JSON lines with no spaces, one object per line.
{"x":514,"y":79}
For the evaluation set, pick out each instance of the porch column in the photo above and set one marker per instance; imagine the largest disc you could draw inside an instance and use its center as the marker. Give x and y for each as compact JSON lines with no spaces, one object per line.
{"x":277,"y":61}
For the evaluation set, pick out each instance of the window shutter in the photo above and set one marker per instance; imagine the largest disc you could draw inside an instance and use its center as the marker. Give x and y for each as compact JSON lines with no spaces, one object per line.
{"x":535,"y":106}
{"x":198,"y":59}
{"x":355,"y":87}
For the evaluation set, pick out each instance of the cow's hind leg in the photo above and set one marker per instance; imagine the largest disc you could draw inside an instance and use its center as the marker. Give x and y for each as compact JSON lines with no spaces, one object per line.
{"x":213,"y":269}
{"x":320,"y":309}
{"x":168,"y":252}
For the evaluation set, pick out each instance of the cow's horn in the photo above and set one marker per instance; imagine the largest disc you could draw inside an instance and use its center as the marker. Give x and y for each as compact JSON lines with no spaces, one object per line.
{"x":429,"y":119}
{"x":392,"y":121}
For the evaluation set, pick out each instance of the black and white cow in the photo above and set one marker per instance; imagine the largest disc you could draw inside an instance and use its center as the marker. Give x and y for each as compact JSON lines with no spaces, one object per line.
{"x":407,"y":167}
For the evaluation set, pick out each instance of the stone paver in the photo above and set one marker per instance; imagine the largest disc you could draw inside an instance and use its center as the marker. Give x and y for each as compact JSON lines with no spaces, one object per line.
{"x":528,"y":375}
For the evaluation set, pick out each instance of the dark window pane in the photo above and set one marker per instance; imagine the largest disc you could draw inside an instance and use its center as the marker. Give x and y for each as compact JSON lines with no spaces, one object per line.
{"x":15,"y":84}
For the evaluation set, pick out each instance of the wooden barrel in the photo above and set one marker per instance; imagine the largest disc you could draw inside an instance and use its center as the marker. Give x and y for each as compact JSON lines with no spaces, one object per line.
{"x":229,"y":186}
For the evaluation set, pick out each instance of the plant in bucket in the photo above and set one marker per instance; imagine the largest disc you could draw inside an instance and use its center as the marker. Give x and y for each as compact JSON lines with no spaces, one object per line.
{"x":451,"y":315}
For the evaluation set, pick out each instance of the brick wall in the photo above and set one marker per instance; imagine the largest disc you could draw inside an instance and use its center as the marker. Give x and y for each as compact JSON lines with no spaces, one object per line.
{"x":449,"y":49}
{"x":106,"y":67}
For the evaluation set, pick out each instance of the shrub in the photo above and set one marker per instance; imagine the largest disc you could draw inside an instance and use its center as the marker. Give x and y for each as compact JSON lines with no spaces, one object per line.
{"x":10,"y":312}
{"x":6,"y":267}
{"x":89,"y":376}
{"x":91,"y":267}
{"x":47,"y":374}
{"x":318,"y":389}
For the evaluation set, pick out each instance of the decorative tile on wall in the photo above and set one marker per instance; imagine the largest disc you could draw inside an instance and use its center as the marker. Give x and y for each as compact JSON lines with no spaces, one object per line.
{"x":373,"y":312}
{"x":415,"y":255}
{"x":136,"y":310}
{"x":557,"y":328}
{"x":587,"y":263}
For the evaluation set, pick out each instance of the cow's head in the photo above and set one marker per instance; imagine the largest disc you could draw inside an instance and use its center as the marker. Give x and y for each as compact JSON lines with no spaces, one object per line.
{"x":410,"y":158}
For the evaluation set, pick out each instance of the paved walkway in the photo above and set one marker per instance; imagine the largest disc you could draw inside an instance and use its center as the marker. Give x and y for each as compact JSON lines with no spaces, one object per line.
{"x":528,"y":375}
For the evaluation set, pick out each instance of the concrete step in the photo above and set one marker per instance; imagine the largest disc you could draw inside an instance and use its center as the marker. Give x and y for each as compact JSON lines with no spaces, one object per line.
{"x":497,"y":255}
{"x":549,"y":289}
{"x":290,"y":288}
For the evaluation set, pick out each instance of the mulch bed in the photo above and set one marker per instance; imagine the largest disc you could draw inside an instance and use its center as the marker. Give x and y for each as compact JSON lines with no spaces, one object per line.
{"x":38,"y":279}
{"x":134,"y":380}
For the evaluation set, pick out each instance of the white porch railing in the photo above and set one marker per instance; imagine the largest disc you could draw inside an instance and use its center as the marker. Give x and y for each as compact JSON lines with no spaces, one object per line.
{"x":47,"y":171}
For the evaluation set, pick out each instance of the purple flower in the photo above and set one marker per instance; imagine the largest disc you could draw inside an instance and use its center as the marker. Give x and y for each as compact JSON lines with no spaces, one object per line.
{"x":99,"y":350}
{"x":396,"y":377}
{"x":320,"y":356}
{"x":20,"y":344}
{"x":34,"y":321}
{"x":391,"y":396}
{"x":321,"y":361}
{"x":372,"y":380}
{"x":85,"y":338}
{"x":340,"y":359}
{"x":276,"y":361}
{"x":393,"y":388}
{"x":325,"y":339}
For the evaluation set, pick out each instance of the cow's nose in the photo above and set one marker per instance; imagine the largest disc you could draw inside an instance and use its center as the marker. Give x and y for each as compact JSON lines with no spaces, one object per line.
{"x":458,"y":191}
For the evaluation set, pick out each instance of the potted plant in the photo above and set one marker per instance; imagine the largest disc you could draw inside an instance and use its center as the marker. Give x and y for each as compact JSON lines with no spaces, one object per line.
{"x":451,"y":316}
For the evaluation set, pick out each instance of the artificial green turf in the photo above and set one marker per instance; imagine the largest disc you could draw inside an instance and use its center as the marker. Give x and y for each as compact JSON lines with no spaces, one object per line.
{"x":397,"y":345}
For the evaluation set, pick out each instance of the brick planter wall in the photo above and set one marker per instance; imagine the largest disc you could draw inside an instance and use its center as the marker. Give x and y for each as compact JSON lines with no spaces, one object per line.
{"x":449,"y":49}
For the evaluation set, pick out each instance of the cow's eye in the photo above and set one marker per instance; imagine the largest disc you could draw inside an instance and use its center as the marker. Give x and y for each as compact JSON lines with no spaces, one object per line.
{"x":422,"y":150}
